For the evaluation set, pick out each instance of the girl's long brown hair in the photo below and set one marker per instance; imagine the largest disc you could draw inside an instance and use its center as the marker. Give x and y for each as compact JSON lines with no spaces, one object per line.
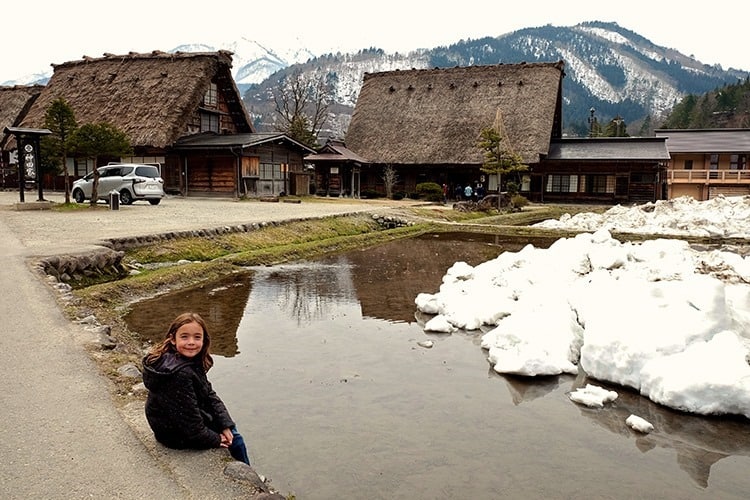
{"x":166,"y":345}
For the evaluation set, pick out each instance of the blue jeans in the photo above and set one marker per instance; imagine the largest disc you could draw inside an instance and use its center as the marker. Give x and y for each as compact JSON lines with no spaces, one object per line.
{"x":237,"y":449}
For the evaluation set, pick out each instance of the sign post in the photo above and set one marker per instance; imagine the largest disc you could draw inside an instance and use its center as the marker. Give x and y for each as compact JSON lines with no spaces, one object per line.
{"x":28,"y":145}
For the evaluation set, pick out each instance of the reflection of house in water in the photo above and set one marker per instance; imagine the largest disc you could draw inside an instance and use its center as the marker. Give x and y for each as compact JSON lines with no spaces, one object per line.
{"x":221,"y":303}
{"x":306,"y":291}
{"x":389,"y":277}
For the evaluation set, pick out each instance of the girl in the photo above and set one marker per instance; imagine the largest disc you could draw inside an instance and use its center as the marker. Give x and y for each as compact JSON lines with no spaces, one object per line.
{"x":182,"y":408}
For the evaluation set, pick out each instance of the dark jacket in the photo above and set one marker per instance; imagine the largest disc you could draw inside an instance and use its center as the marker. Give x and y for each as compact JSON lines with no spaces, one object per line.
{"x":182,"y":408}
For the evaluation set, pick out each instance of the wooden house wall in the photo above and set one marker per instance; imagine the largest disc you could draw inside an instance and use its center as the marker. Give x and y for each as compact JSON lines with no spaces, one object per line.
{"x":211,"y":175}
{"x":226,"y":123}
{"x":627,"y":182}
{"x":277,"y":154}
{"x":171,"y":173}
{"x":702,"y":182}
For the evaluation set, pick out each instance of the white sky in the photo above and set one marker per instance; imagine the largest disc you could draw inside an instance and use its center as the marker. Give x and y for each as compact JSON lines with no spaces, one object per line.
{"x":67,"y":30}
{"x":665,"y":319}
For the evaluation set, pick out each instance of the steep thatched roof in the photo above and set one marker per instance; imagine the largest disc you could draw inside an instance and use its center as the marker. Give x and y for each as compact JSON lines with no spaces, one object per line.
{"x":149,"y":96}
{"x":15,"y":103}
{"x":435,"y":116}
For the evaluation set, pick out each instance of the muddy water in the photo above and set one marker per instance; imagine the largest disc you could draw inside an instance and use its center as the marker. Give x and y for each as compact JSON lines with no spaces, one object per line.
{"x":320,"y":366}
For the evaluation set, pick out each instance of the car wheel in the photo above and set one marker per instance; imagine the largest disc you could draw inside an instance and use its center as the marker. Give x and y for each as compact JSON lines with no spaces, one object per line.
{"x":78,"y":196}
{"x":125,"y":197}
{"x":155,"y":202}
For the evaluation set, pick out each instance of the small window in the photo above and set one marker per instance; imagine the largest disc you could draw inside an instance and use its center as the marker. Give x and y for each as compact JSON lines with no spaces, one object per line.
{"x":209,"y":122}
{"x":737,"y":162}
{"x":562,"y":183}
{"x":643,"y":177}
{"x":212,"y":96}
{"x":714,"y":164}
{"x":688,"y":164}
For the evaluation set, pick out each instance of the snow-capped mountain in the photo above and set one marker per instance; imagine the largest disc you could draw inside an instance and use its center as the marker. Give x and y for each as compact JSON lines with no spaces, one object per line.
{"x":608,"y":68}
{"x":251,"y":61}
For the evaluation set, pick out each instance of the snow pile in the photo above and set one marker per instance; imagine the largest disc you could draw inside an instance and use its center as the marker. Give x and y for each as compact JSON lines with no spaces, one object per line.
{"x":659,"y":316}
{"x":726,"y":217}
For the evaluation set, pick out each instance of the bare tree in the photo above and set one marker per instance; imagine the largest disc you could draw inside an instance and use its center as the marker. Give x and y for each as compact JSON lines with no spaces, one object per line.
{"x":390,"y":179}
{"x":302,"y":102}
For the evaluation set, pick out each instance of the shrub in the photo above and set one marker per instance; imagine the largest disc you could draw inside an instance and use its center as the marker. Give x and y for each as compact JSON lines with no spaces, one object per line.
{"x":518,"y":201}
{"x":370,"y":194}
{"x":431,"y":191}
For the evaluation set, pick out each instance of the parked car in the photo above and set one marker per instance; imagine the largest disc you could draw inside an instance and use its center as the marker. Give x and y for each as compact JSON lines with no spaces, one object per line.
{"x":133,"y":181}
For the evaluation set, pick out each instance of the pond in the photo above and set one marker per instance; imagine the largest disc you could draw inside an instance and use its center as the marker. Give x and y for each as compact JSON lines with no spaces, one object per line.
{"x":319,"y":363}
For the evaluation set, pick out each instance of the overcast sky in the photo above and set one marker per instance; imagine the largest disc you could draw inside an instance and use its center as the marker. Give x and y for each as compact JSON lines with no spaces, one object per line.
{"x":66,"y":30}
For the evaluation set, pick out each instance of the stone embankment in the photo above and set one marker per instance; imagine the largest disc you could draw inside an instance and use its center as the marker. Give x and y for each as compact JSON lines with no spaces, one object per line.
{"x":108,"y":260}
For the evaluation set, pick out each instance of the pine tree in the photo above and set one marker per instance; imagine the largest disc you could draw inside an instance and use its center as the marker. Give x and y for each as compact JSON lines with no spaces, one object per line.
{"x":61,"y":121}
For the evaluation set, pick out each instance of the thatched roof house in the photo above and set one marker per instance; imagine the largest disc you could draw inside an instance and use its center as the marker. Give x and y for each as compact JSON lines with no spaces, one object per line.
{"x":435,"y":116}
{"x":426,"y":125}
{"x":154,"y":97}
{"x":14,"y":104}
{"x":159,"y":100}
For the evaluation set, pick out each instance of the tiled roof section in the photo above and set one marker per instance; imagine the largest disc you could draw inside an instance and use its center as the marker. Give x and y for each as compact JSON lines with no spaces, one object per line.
{"x":223,"y":141}
{"x":611,"y":148}
{"x":728,"y":140}
{"x":335,"y":151}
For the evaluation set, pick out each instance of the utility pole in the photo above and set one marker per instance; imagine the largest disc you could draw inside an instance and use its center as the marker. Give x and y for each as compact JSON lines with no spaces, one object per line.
{"x":592,"y":123}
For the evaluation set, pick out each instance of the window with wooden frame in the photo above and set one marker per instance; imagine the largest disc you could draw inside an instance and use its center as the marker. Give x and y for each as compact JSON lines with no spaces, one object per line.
{"x":688,"y":165}
{"x":713,"y":165}
{"x":209,"y":122}
{"x":211,"y":97}
{"x":270,"y":171}
{"x":562,"y":183}
{"x":737,"y":162}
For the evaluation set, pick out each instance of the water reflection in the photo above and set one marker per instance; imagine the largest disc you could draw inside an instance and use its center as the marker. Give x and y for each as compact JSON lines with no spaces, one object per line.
{"x":351,"y":404}
{"x":307,"y":292}
{"x":221,"y":304}
{"x":699,"y":442}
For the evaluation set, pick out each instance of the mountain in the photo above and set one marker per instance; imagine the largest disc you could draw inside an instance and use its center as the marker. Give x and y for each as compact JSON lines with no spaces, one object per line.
{"x":608,"y":68}
{"x":252,"y":62}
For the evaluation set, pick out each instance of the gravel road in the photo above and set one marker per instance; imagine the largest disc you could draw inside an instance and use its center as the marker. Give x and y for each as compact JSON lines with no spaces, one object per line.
{"x":49,"y":232}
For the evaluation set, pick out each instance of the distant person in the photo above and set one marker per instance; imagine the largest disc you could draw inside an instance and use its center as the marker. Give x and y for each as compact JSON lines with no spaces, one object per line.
{"x":459,"y":191}
{"x":480,"y":192}
{"x":468,"y":192}
{"x":445,"y":193}
{"x":182,"y":408}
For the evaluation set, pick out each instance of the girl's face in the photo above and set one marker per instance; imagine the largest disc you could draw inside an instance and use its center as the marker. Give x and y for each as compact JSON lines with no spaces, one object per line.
{"x":188,"y":339}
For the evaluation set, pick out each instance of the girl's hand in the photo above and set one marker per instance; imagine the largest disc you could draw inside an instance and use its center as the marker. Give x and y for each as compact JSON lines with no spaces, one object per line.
{"x":226,"y":438}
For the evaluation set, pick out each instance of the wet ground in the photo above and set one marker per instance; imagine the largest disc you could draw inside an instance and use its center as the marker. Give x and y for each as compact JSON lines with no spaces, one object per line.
{"x":320,"y":365}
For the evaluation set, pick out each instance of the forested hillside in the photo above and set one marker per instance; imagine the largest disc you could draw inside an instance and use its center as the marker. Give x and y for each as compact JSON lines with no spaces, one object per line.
{"x":726,"y":107}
